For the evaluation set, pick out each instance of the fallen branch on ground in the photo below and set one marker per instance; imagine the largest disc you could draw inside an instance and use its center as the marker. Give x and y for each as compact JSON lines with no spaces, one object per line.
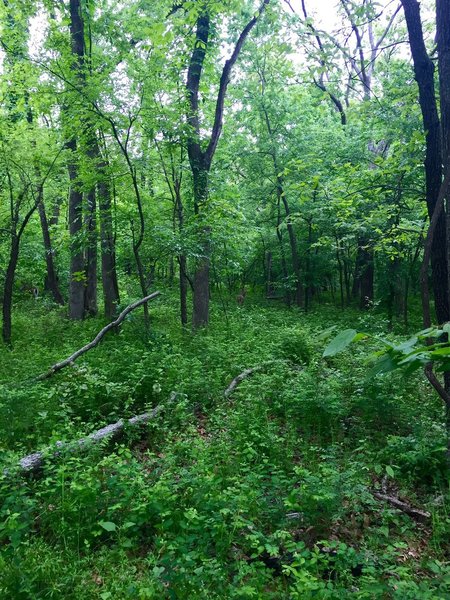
{"x":33,"y":462}
{"x":73,"y":357}
{"x":237,"y":380}
{"x":416,"y":513}
{"x":245,"y":374}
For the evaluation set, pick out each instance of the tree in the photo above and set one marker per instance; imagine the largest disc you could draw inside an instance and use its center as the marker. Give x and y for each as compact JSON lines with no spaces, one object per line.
{"x":424,"y":74}
{"x":200,"y":159}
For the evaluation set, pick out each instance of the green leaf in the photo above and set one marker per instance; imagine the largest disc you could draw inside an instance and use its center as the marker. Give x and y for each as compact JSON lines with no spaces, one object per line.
{"x":340,"y":342}
{"x":385,"y":364}
{"x":390,"y":471}
{"x":108,"y":525}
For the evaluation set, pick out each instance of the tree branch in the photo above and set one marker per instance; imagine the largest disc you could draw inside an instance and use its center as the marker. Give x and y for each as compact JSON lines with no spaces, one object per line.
{"x":73,"y":357}
{"x":224,"y":81}
{"x":237,"y":380}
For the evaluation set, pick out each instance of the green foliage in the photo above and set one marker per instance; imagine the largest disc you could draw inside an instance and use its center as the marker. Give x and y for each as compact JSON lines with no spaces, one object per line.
{"x":265,"y":494}
{"x":419,"y":350}
{"x":295,"y":346}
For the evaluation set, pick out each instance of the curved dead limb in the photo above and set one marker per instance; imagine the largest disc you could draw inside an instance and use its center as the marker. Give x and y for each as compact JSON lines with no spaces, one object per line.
{"x":416,"y":513}
{"x":248,"y":372}
{"x":237,"y":380}
{"x":73,"y":357}
{"x":33,"y":462}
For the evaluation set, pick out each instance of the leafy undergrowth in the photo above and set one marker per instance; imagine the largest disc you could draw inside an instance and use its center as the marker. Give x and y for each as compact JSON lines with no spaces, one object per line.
{"x":265,"y":494}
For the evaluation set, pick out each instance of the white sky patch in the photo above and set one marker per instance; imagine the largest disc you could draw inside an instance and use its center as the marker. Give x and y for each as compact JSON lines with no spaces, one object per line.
{"x":38,"y":32}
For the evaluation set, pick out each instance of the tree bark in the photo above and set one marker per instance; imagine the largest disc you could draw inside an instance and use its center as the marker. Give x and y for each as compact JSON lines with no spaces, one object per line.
{"x":424,"y":75}
{"x":77,"y":264}
{"x":366,"y":278}
{"x":363,"y":279}
{"x":8,"y":289}
{"x":91,"y":253}
{"x":183,"y":289}
{"x":109,"y":273}
{"x":443,"y":48}
{"x":77,"y":285}
{"x":200,"y":160}
{"x":51,"y":279}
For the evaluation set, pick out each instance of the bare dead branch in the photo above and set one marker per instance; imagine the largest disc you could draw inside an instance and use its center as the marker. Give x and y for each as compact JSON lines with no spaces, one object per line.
{"x":237,"y":380}
{"x":416,"y":513}
{"x":100,"y":335}
{"x":33,"y":462}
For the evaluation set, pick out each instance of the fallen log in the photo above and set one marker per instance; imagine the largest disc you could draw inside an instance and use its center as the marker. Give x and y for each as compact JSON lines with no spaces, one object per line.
{"x":237,"y":380}
{"x":416,"y":513}
{"x":100,"y":335}
{"x":34,"y":461}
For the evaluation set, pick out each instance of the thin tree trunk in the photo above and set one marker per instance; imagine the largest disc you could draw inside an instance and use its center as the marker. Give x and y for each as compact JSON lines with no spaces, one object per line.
{"x":269,"y":288}
{"x":200,"y":315}
{"x":367,"y":277}
{"x":51,"y":279}
{"x":424,"y":75}
{"x":183,"y":289}
{"x":8,"y":288}
{"x":91,"y":254}
{"x":363,"y":284}
{"x":284,"y":270}
{"x":77,"y":264}
{"x":109,"y":273}
{"x":341,"y":276}
{"x":77,"y":285}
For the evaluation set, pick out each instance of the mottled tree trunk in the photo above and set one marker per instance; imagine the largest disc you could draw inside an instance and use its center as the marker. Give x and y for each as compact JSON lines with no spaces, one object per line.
{"x":91,"y":254}
{"x":109,"y":273}
{"x":424,"y":74}
{"x":443,"y":47}
{"x":200,"y":315}
{"x":51,"y":279}
{"x":363,"y":279}
{"x":8,"y":289}
{"x":183,"y":289}
{"x":367,"y":278}
{"x":77,"y":284}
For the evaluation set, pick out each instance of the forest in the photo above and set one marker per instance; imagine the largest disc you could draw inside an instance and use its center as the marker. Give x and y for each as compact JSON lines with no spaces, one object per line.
{"x":225,"y":295}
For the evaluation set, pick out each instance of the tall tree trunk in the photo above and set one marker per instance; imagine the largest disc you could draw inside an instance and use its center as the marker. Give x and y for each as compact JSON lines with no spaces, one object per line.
{"x":109,"y":274}
{"x":200,"y":315}
{"x":340,"y":269}
{"x":77,"y":265}
{"x":77,"y":284}
{"x":424,"y":74}
{"x":268,"y":269}
{"x":443,"y":47}
{"x":200,"y":160}
{"x":284,"y":269}
{"x":293,"y":245}
{"x":8,"y":288}
{"x":91,"y":254}
{"x":51,"y":279}
{"x":363,"y":280}
{"x":367,"y":277}
{"x":183,"y":289}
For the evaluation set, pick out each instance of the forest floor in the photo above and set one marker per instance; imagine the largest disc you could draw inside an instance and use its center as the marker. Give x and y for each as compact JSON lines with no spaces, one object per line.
{"x":271,"y":492}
